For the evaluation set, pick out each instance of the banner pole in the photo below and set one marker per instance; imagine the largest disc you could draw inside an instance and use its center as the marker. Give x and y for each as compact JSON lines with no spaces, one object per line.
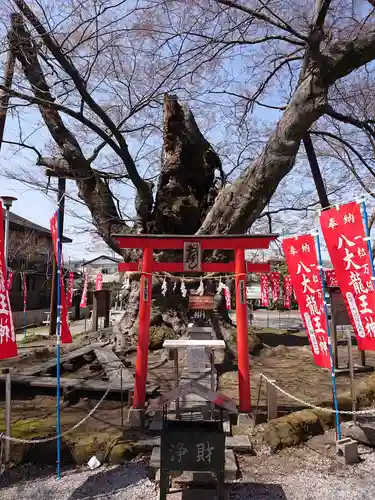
{"x":58,"y":335}
{"x":333,"y":376}
{"x":367,"y":229}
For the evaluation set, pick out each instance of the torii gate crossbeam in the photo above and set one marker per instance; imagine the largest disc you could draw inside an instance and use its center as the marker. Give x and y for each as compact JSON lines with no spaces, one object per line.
{"x":237,"y":243}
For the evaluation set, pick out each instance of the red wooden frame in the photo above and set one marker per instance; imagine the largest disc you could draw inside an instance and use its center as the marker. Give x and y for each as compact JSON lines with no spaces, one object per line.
{"x":207,"y":267}
{"x":166,"y":242}
{"x":238,"y":243}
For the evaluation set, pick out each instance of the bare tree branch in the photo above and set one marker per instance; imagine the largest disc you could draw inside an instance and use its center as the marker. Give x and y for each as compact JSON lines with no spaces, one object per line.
{"x":258,"y":15}
{"x":347,"y":144}
{"x":364,"y":125}
{"x":142,"y":187}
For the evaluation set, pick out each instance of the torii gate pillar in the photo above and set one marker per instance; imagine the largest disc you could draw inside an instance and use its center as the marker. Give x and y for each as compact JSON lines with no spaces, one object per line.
{"x":242,"y":331}
{"x":143,"y":329}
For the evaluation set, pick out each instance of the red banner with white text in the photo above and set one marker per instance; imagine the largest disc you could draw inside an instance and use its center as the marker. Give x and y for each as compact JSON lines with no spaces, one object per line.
{"x":8,"y":344}
{"x":302,"y":261}
{"x":288,"y":291}
{"x":84,"y":291}
{"x":66,"y":336}
{"x":330,"y":277}
{"x":275,"y":285}
{"x":346,"y":241}
{"x":9,"y":280}
{"x":99,"y":282}
{"x":69,"y":295}
{"x":228,"y":300}
{"x":24,"y":288}
{"x":264,"y":290}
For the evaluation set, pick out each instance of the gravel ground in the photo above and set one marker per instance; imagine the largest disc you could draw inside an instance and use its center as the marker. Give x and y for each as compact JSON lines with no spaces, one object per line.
{"x":300,"y":474}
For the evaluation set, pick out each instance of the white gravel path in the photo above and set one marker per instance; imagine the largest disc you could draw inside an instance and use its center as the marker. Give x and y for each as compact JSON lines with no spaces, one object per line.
{"x":125,"y":483}
{"x":130,"y":482}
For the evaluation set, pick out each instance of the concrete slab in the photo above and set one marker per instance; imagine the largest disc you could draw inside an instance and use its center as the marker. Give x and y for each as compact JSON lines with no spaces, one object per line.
{"x":196,"y":494}
{"x":113,"y":366}
{"x":199,"y":329}
{"x":136,"y":418}
{"x":245,"y":419}
{"x":239,"y":443}
{"x":182,"y":343}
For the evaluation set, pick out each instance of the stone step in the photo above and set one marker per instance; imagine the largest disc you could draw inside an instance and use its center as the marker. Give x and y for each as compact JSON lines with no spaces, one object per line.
{"x":199,"y":329}
{"x":239,"y":444}
{"x":205,"y":372}
{"x":197,"y":493}
{"x":191,"y":477}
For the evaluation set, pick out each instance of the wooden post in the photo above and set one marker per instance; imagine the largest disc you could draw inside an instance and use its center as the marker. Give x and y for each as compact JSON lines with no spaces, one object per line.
{"x":176,"y":381}
{"x":95,"y":312}
{"x":53,"y":303}
{"x":351,"y":374}
{"x":242,"y":332}
{"x":107,"y":308}
{"x":143,"y":330}
{"x":4,"y":96}
{"x":8,"y":412}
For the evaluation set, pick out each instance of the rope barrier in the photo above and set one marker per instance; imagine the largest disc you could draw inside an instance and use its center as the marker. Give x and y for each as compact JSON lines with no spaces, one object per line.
{"x":4,"y":437}
{"x":314,"y":407}
{"x":209,"y":276}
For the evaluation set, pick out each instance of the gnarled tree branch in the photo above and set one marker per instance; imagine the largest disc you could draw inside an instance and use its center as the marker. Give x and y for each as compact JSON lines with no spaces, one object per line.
{"x":140,"y":184}
{"x":91,"y":188}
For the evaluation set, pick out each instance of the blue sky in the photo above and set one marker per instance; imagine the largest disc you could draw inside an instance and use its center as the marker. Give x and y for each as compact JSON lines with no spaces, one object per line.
{"x":38,"y":206}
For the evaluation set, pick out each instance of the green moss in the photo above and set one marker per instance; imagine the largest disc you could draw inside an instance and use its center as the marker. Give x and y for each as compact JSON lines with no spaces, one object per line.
{"x":30,"y":428}
{"x":158,"y":334}
{"x":122,"y":452}
{"x":299,"y":426}
{"x":84,"y":446}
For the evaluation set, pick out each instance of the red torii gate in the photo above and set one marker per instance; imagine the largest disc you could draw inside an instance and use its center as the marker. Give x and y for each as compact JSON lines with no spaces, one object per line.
{"x":238,"y":243}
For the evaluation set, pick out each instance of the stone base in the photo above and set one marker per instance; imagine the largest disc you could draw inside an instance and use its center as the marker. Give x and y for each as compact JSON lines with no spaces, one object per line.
{"x":136,"y":418}
{"x":348,"y":449}
{"x":245,"y":419}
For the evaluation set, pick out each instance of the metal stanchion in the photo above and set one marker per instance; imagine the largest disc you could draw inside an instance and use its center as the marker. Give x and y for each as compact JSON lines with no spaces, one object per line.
{"x":351,"y":373}
{"x":8,"y":412}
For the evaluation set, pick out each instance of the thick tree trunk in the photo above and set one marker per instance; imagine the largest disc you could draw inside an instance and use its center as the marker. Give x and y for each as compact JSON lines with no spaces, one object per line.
{"x":187,"y":187}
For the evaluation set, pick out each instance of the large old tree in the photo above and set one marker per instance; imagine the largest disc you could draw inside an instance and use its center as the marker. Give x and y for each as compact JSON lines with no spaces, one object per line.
{"x":99,"y":71}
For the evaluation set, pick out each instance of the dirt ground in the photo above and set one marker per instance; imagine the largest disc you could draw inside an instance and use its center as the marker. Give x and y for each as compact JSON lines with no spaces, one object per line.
{"x":281,"y":359}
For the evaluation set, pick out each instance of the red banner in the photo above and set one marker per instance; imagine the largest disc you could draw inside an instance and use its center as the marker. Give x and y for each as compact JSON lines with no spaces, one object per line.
{"x":69,"y":295}
{"x":331,"y":279}
{"x":84,"y":291}
{"x":66,"y":336}
{"x":9,"y":280}
{"x":275,"y":285}
{"x":288,"y":291}
{"x":302,"y":261}
{"x":99,"y":282}
{"x":346,"y":241}
{"x":24,"y":287}
{"x":228,"y":301}
{"x":8,"y":344}
{"x":264,"y":290}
